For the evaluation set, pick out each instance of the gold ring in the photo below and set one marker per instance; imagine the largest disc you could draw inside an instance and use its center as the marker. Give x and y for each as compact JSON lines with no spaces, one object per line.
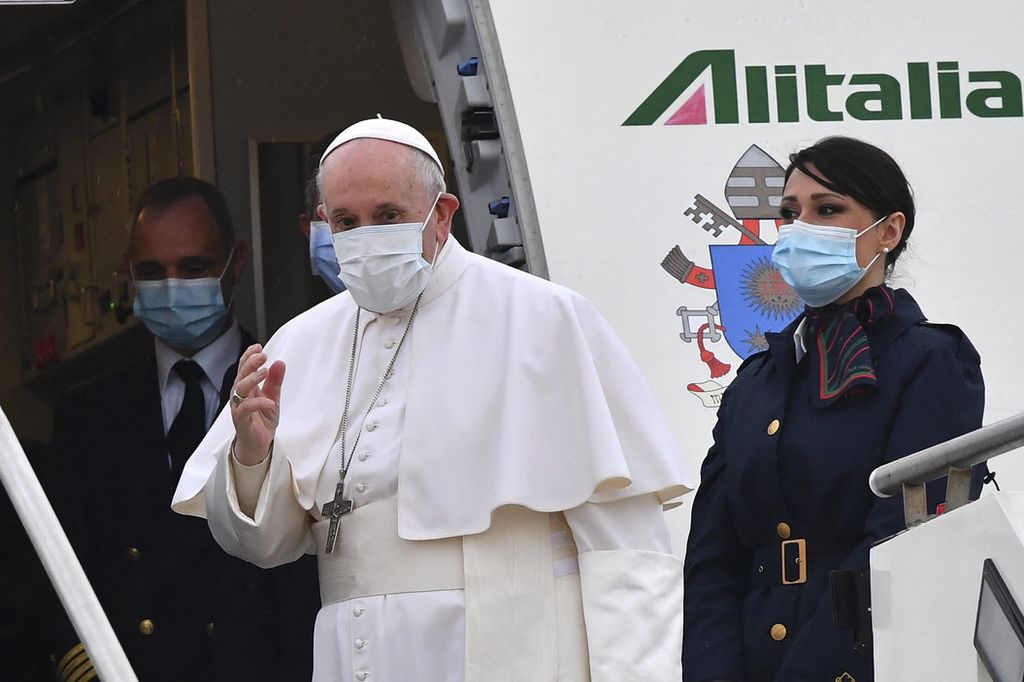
{"x":236,"y":399}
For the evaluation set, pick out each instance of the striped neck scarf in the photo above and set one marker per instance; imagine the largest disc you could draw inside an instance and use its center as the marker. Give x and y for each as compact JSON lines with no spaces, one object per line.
{"x":843,"y":353}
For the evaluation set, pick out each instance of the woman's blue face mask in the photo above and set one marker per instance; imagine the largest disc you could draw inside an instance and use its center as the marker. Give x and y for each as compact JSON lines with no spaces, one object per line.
{"x":819,"y":261}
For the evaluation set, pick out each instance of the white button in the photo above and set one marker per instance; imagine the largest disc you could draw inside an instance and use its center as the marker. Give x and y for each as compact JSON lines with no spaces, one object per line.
{"x":382,"y":402}
{"x":363,"y":456}
{"x":397,"y":319}
{"x":390,"y":344}
{"x":362,"y":675}
{"x":361,"y":487}
{"x":360,"y":643}
{"x":371,"y":426}
{"x":358,"y":611}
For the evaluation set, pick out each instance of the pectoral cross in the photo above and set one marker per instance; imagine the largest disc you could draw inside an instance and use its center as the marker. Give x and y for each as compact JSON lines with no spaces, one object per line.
{"x":335,"y":509}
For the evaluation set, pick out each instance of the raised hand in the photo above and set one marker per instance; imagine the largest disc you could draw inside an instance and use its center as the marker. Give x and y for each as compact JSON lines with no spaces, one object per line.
{"x":256,"y":410}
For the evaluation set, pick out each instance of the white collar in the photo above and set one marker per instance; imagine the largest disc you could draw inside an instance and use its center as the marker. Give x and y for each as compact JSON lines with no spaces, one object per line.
{"x":450,"y":263}
{"x":215,"y":358}
{"x":800,"y":340}
{"x":448,"y":266}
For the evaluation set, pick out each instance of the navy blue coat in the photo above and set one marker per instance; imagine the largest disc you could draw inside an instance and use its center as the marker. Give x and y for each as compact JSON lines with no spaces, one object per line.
{"x":210,"y":617}
{"x":806,"y":476}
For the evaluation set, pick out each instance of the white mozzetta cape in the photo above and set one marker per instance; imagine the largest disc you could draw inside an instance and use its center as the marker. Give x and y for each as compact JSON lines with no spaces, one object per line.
{"x":519,"y":393}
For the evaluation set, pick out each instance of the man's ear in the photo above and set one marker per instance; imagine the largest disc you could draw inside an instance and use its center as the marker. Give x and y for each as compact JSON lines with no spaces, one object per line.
{"x":238,"y":261}
{"x":447,"y":205}
{"x":321,"y":211}
{"x":304,"y":221}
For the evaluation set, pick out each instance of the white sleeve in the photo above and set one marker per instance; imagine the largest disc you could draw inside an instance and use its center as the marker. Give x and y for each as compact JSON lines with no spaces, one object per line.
{"x":632,"y":589}
{"x":276,"y":531}
{"x":249,"y":482}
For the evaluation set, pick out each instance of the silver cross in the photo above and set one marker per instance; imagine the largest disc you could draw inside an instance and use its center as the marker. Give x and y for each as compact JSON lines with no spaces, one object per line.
{"x":335,"y":509}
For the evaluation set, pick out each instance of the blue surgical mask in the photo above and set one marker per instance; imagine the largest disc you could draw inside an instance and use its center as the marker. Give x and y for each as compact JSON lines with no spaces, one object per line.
{"x":183,"y":313}
{"x":321,"y":256}
{"x":818,"y":261}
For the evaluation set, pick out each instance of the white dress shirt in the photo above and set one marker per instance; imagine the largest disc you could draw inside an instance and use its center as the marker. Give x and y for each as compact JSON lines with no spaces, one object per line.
{"x":800,"y":340}
{"x":215,"y":359}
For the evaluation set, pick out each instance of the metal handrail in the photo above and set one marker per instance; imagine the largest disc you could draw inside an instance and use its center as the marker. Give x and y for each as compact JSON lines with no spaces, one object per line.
{"x":59,"y":560}
{"x":935,"y":462}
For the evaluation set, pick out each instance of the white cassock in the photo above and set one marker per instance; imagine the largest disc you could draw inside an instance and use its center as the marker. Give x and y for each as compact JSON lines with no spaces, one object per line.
{"x":508,"y":488}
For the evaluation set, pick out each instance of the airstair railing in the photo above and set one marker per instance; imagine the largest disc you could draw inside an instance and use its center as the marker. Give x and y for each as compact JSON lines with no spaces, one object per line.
{"x":59,"y":560}
{"x":953,"y":458}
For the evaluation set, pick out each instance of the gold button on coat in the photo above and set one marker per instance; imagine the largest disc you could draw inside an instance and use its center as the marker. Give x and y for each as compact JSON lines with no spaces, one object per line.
{"x":146,"y":626}
{"x":783,"y":530}
{"x":133,"y":553}
{"x":778,"y":632}
{"x":773,"y":427}
{"x":209,"y":629}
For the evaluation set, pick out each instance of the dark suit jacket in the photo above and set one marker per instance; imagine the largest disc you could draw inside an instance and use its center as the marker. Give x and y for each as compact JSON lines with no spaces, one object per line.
{"x":810,"y":472}
{"x":181,"y":607}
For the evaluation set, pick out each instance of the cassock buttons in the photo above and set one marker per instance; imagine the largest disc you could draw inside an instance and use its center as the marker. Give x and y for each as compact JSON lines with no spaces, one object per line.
{"x":358,"y":611}
{"x":778,"y":632}
{"x":146,"y":626}
{"x":390,"y":343}
{"x":773,"y":427}
{"x":371,"y":426}
{"x":133,"y":554}
{"x":362,"y":675}
{"x":783,"y":530}
{"x":361,"y":487}
{"x":363,"y":456}
{"x":360,"y":642}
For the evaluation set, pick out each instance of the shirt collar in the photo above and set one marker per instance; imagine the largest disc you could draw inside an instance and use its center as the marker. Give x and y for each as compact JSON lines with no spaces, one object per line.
{"x":800,"y":340}
{"x":215,"y":358}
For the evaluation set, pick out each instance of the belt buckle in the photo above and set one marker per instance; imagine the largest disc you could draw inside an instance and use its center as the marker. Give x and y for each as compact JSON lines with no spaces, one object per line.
{"x":801,"y":560}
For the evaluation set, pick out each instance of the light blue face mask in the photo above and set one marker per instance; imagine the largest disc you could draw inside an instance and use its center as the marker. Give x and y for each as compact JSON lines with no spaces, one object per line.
{"x":183,"y":313}
{"x":818,"y":261}
{"x":322,"y":258}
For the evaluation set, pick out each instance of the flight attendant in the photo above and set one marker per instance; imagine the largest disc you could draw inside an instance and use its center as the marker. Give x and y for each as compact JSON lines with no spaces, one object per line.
{"x":860,"y":379}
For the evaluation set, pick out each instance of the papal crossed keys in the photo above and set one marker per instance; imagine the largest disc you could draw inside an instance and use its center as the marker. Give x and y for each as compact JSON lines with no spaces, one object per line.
{"x":710,"y":218}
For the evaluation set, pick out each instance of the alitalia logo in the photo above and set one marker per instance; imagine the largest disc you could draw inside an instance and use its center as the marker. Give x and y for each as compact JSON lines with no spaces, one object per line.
{"x":921,"y":90}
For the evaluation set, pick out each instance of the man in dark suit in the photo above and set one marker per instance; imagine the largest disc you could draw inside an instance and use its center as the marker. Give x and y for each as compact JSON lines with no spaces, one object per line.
{"x":181,"y":607}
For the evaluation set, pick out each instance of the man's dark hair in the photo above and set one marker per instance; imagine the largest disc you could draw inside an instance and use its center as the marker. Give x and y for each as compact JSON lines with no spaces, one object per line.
{"x":169,"y":191}
{"x":311,"y":196}
{"x":311,"y":189}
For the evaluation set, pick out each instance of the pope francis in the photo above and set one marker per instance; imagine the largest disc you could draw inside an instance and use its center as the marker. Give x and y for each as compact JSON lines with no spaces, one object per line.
{"x":469,"y":450}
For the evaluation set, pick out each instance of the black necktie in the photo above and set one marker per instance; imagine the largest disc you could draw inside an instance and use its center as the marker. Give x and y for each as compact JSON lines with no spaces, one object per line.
{"x":189,"y":426}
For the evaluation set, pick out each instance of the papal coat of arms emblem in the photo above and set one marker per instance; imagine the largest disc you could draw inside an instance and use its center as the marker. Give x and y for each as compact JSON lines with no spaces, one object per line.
{"x":752,"y":297}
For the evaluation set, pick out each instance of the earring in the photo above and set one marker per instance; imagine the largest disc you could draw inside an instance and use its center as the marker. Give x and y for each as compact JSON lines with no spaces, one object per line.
{"x":885,"y":249}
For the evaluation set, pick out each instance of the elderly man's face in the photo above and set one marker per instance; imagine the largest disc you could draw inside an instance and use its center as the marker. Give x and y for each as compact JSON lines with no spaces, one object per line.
{"x":374,"y":182}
